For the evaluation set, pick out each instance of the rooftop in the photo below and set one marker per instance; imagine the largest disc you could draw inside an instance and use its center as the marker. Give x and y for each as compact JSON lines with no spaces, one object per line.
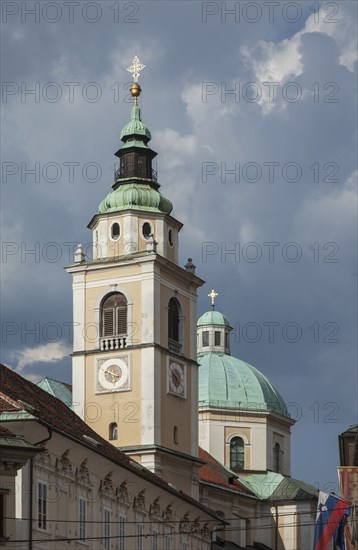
{"x":19,"y":395}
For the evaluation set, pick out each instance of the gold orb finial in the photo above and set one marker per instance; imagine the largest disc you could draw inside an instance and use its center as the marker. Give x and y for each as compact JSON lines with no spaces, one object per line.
{"x":135,"y":90}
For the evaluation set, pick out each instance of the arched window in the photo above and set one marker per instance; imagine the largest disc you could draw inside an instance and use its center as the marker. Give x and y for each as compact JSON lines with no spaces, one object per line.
{"x":277,"y":457}
{"x":113,"y":431}
{"x":173,"y":320}
{"x":146,"y":230}
{"x":237,"y":453}
{"x":115,"y":231}
{"x":175,"y":435}
{"x":114,"y":315}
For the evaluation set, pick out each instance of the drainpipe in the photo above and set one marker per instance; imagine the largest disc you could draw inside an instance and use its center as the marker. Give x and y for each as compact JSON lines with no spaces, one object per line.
{"x":31,"y":508}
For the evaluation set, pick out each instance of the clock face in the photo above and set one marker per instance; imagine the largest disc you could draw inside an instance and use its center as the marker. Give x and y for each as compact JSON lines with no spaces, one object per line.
{"x":176,"y":378}
{"x":113,"y":375}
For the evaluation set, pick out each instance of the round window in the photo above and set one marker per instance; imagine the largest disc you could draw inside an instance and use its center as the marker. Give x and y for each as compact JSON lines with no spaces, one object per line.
{"x":146,"y":230}
{"x":171,"y":237}
{"x":116,"y":231}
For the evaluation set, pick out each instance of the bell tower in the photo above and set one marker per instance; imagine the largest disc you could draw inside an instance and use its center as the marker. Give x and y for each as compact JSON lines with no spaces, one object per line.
{"x":135,"y":375}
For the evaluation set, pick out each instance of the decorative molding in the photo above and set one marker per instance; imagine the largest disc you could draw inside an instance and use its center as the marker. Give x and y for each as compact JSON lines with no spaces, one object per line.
{"x":122,"y":494}
{"x":63,"y":465}
{"x":82,"y":473}
{"x":106,"y":484}
{"x":168,"y":512}
{"x":185,"y":523}
{"x":139,"y":502}
{"x":44,"y":460}
{"x":154,"y":509}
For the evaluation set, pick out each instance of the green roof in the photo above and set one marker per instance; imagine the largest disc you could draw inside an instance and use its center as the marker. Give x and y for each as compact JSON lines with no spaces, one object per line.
{"x":135,"y":126}
{"x":227,"y":382}
{"x":274,"y":486}
{"x":57,"y":389}
{"x":135,"y":196}
{"x":213,"y":318}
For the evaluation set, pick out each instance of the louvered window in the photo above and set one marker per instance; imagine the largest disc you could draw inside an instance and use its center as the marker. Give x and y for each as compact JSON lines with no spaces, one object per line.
{"x":173,"y":320}
{"x":114,"y":315}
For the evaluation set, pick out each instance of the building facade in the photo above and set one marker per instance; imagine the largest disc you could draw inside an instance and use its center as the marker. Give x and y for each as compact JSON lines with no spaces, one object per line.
{"x":63,"y":486}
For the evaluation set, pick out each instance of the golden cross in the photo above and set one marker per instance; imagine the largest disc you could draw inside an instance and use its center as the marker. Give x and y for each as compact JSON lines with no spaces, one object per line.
{"x":136,"y":68}
{"x":213,"y":295}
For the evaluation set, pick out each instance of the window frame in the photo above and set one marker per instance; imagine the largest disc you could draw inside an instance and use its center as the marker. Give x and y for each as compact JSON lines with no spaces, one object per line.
{"x":237,"y":462}
{"x":146,"y":236}
{"x":42,"y":503}
{"x":139,"y":533}
{"x":82,"y":519}
{"x":205,"y":342}
{"x":113,"y":426}
{"x":155,"y":536}
{"x":121,"y":532}
{"x":107,"y":528}
{"x":117,"y":321}
{"x":113,"y":238}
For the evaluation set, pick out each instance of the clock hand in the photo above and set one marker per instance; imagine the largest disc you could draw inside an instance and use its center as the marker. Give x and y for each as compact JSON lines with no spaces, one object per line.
{"x":113,"y":374}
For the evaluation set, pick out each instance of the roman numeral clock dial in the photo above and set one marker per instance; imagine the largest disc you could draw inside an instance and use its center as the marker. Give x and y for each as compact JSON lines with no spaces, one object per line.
{"x":176,"y":379}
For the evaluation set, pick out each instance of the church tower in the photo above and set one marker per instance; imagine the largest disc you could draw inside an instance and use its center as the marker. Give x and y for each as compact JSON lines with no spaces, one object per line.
{"x":135,"y":375}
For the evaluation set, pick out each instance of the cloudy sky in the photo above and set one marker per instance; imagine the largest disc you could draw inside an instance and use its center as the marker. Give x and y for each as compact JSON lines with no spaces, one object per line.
{"x":252,"y":108}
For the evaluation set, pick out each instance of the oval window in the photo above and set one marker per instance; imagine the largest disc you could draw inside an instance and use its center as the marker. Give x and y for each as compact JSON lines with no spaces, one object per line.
{"x":116,"y":231}
{"x":170,"y":237}
{"x":146,"y":230}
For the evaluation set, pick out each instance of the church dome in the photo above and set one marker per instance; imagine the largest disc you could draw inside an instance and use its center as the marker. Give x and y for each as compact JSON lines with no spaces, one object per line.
{"x":135,"y":196}
{"x":213,"y":318}
{"x":227,"y":382}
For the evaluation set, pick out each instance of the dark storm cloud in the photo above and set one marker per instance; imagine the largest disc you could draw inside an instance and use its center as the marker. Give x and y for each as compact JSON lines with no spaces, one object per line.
{"x":184,"y":56}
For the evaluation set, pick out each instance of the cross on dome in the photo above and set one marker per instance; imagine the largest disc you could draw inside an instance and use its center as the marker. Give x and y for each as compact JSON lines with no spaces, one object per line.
{"x":136,"y":68}
{"x":213,"y":295}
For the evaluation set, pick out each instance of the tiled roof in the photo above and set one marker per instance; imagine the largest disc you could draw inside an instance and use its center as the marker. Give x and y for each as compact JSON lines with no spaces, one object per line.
{"x":215,"y":473}
{"x":16,"y":390}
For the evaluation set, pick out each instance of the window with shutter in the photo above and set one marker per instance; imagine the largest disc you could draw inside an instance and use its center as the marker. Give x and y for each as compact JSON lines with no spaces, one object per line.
{"x":108,"y":322}
{"x":121,"y":320}
{"x":114,"y":315}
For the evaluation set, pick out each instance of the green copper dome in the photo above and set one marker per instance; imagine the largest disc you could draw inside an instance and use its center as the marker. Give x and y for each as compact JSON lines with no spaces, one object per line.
{"x":135,"y":196}
{"x":227,"y":382}
{"x":213,"y":318}
{"x":135,"y":127}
